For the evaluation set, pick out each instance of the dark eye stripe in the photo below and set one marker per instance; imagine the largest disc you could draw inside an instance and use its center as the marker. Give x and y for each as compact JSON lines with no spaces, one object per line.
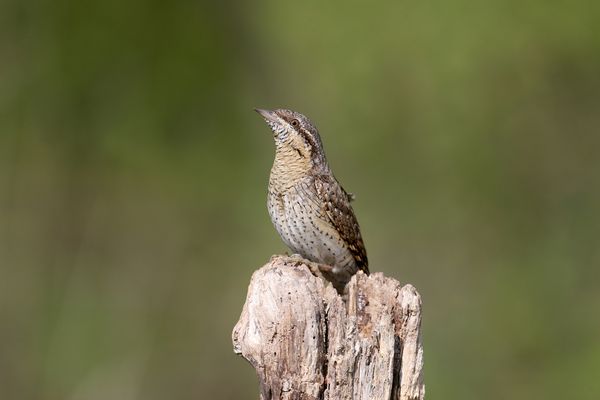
{"x":308,"y":137}
{"x":305,"y":133}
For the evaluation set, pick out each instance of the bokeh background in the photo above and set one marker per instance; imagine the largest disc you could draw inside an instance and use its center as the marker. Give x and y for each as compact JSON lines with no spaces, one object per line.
{"x":133,"y":177}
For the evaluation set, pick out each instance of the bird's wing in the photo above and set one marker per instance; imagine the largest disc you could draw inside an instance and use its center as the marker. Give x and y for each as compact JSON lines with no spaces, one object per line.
{"x":337,"y":208}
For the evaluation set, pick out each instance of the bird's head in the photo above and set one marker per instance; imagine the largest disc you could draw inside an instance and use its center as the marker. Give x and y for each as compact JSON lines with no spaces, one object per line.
{"x":295,"y":134}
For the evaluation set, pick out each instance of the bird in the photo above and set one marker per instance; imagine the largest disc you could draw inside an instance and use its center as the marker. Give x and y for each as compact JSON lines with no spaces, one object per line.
{"x":309,"y":208}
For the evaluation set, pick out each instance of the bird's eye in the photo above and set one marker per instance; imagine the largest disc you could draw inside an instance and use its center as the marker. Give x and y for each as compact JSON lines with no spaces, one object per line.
{"x":295,"y":122}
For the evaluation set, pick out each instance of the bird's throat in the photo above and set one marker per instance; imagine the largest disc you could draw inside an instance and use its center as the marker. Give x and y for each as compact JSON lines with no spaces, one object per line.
{"x":289,"y":168}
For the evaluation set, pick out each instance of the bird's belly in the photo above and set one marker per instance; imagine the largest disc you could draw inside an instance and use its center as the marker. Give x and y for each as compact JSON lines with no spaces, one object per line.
{"x":306,"y":231}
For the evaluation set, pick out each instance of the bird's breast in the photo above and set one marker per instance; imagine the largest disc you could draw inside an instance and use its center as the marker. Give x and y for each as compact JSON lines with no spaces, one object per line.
{"x":300,"y":220}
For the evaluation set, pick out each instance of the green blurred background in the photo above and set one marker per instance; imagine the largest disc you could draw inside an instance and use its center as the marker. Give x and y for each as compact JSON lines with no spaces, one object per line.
{"x":133,"y":178}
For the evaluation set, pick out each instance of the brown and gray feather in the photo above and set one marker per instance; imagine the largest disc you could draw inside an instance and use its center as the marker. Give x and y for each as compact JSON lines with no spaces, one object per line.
{"x":336,"y":205}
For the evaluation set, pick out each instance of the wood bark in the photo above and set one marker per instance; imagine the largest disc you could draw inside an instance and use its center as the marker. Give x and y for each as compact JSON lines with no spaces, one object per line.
{"x":307,"y":342}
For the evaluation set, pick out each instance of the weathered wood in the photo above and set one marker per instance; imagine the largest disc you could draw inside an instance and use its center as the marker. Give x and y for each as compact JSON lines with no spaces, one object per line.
{"x":306,"y":342}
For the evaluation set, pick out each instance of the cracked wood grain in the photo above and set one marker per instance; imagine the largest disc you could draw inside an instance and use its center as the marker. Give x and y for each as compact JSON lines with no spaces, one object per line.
{"x":306,"y":342}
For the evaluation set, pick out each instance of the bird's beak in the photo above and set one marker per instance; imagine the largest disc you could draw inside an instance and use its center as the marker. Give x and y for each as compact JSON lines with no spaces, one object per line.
{"x":268,"y":115}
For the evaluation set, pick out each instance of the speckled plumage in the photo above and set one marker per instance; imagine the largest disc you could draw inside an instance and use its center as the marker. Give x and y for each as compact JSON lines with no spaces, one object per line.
{"x":309,"y":208}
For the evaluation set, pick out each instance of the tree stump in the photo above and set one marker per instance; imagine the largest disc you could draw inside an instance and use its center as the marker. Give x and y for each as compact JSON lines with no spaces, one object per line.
{"x":306,"y":342}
